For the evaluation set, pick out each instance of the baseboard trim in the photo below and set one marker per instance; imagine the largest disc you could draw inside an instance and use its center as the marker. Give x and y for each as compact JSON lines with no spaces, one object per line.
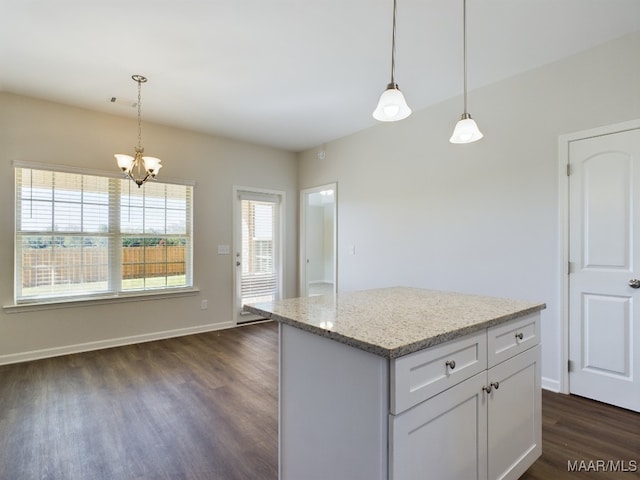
{"x":115,"y":342}
{"x":551,"y":384}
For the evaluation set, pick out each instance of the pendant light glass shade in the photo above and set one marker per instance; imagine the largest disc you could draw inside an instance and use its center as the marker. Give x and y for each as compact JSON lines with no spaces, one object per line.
{"x":152,"y":165}
{"x":392,"y":106}
{"x":125,"y":162}
{"x":466,"y":130}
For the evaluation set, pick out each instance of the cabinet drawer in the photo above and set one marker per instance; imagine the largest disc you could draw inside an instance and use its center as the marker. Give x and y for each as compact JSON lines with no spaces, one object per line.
{"x":511,"y":338}
{"x":421,"y":375}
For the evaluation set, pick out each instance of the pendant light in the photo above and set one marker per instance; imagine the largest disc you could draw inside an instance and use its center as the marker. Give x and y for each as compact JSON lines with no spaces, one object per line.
{"x":466,"y":130}
{"x":392,"y":106}
{"x":139,"y":169}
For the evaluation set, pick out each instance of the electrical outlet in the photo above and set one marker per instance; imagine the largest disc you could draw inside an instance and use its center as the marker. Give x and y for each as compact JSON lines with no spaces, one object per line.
{"x":204,"y":304}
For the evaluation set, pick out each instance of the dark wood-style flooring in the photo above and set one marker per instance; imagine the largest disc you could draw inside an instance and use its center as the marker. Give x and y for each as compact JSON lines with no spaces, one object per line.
{"x":205,"y":407}
{"x":200,"y":407}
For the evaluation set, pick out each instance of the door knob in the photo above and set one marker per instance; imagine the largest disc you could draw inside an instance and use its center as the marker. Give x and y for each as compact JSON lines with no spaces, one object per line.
{"x":634,"y":283}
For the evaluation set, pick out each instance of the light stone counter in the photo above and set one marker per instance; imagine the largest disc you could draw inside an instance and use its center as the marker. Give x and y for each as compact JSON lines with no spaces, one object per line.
{"x":392,"y":322}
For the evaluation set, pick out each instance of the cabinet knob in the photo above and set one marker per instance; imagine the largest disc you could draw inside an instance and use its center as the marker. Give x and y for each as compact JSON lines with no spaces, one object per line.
{"x":519,"y":335}
{"x":451,"y":364}
{"x":491,"y":386}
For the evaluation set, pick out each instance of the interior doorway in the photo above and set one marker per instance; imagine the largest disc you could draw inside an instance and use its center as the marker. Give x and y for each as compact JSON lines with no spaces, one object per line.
{"x":318,"y":240}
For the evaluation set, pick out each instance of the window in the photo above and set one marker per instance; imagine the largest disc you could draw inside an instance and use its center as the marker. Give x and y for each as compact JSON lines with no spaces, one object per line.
{"x":79,"y":235}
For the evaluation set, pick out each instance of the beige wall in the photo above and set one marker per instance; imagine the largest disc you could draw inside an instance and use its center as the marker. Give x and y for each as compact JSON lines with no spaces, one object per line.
{"x":479,"y":218}
{"x":38,"y":131}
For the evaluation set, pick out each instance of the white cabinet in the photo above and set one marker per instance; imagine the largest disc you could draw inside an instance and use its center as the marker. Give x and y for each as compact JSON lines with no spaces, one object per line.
{"x":487,"y":426}
{"x":514,"y":429}
{"x":442,"y":438}
{"x":346,"y":414}
{"x":508,"y":339}
{"x":422,"y":374}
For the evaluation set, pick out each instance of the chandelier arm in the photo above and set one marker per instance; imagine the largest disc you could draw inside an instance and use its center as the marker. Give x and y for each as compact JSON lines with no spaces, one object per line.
{"x":138,"y":165}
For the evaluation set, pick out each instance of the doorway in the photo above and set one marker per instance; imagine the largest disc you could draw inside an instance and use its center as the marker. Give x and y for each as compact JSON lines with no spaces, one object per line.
{"x":318,"y":240}
{"x":603,"y":255}
{"x":258,"y":233}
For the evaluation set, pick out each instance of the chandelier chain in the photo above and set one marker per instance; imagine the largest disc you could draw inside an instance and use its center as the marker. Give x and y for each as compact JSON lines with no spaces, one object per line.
{"x":139,"y":114}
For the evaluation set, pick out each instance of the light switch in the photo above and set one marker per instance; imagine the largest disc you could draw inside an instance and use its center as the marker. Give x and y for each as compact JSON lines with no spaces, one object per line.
{"x":224,"y":250}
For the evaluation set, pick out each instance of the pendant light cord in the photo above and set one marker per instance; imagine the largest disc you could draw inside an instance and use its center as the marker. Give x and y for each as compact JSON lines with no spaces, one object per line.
{"x":393,"y":46}
{"x":464,"y":49}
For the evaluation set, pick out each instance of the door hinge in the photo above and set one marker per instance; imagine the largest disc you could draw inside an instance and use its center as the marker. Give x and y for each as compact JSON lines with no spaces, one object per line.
{"x":568,"y":169}
{"x":571,"y":366}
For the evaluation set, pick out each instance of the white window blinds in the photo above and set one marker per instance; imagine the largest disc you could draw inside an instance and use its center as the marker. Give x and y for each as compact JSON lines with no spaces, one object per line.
{"x":83,"y":235}
{"x":155,"y":231}
{"x":259,"y":230}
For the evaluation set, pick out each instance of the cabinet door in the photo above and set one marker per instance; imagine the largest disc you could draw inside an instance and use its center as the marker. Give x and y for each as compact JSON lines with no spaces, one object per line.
{"x":514,"y":419}
{"x":442,"y":438}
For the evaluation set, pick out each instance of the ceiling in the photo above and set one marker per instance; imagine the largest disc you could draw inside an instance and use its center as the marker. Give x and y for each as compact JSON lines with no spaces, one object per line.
{"x":292,"y":74}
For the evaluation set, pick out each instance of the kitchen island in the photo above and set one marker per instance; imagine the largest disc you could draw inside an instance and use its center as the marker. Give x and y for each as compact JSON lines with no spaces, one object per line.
{"x":406,"y":383}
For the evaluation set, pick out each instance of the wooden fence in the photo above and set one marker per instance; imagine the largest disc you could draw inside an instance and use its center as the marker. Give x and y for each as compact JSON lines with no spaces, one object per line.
{"x":46,"y":266}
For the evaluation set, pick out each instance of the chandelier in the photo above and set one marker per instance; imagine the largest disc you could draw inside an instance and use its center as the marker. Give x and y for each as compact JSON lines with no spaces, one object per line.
{"x":139,"y":169}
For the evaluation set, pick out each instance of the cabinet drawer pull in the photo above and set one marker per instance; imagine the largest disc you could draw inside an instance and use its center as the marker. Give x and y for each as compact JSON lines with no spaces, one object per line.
{"x":519,"y":336}
{"x":451,"y":364}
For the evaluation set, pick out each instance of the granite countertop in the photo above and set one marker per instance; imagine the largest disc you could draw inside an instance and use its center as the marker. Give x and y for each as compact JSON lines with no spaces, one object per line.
{"x":396,"y":321}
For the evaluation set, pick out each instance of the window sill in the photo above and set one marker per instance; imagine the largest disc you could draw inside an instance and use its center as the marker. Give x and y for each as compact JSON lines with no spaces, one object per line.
{"x":99,"y":300}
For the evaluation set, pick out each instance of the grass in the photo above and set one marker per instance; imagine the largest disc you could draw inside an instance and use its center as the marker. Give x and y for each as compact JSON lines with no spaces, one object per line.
{"x":128,"y":285}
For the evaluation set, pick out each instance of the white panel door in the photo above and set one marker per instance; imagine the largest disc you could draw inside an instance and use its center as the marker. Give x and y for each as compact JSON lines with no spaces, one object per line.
{"x":258,"y":249}
{"x":604,"y":203}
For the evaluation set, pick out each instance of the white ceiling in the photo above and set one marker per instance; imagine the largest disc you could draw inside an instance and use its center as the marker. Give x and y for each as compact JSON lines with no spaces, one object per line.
{"x":293,"y":74}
